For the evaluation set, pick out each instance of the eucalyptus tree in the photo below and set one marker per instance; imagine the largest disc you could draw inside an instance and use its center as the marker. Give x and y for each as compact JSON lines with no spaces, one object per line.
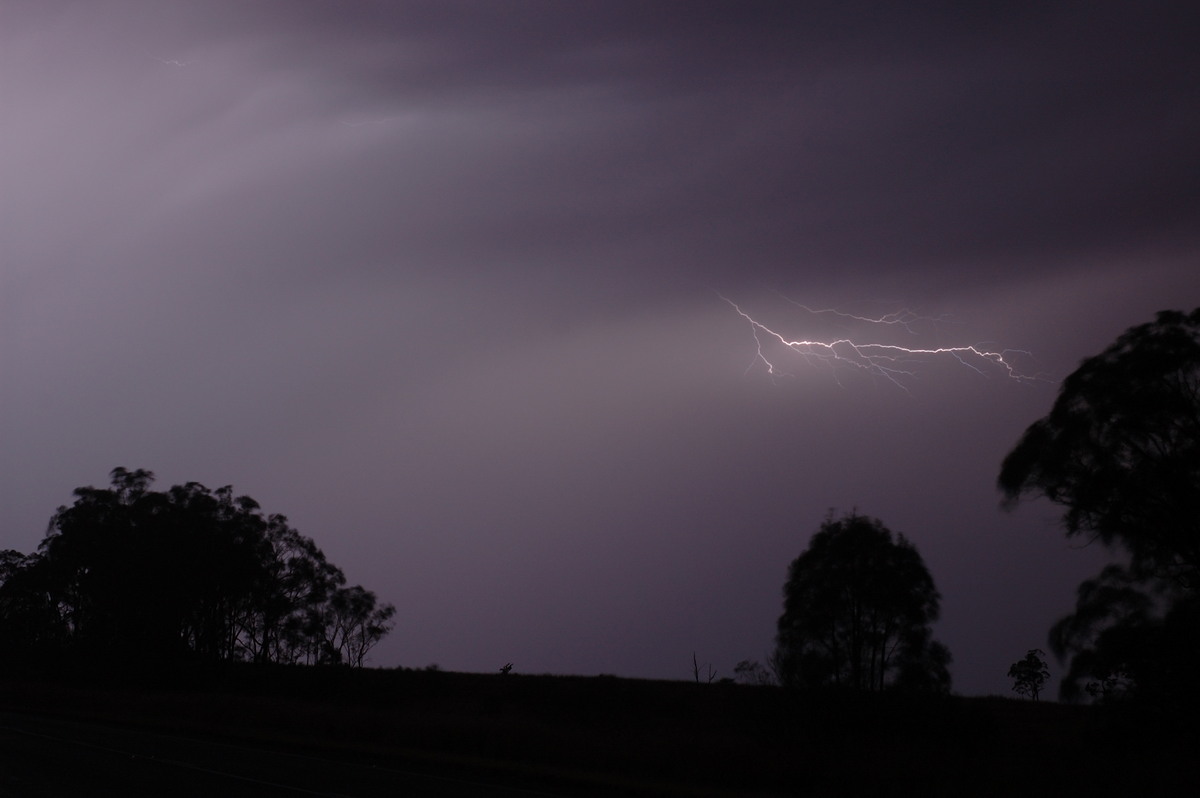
{"x":858,"y":606}
{"x":1119,"y":451}
{"x":1029,"y":674}
{"x":129,"y":573}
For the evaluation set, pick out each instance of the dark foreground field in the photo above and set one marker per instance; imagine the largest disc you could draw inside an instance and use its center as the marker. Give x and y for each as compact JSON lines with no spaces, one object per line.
{"x":308,"y":731}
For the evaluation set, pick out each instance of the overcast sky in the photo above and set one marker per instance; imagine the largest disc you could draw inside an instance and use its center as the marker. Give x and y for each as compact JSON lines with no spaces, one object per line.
{"x":442,"y":282}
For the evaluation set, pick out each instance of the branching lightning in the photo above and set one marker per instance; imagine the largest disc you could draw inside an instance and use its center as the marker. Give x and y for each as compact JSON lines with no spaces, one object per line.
{"x":901,"y":318}
{"x":890,"y":361}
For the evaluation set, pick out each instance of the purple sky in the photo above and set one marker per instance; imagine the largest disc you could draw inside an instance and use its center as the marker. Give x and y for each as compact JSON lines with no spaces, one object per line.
{"x":439,"y":281}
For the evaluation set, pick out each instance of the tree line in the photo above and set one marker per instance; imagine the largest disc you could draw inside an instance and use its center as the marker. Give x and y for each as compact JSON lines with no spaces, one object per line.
{"x":126,"y":573}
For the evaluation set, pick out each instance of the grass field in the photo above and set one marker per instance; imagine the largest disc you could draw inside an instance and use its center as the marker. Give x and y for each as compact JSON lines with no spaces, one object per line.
{"x":634,"y":736}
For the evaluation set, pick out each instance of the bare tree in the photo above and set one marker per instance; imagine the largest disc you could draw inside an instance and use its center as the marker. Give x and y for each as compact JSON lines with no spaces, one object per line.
{"x":711,"y":674}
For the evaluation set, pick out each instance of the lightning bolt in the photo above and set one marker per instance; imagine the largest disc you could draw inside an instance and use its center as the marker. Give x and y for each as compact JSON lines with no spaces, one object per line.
{"x":890,"y":361}
{"x":901,"y":318}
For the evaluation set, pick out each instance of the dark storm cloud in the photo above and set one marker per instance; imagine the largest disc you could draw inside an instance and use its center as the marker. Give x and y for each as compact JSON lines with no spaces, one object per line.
{"x":437,"y":281}
{"x":844,"y":135}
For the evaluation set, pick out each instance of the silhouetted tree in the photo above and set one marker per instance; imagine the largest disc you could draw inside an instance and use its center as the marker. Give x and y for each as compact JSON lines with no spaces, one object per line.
{"x":287,"y":624}
{"x":1029,"y":674}
{"x":858,"y":605}
{"x":1130,"y":637}
{"x":750,"y":671}
{"x":1120,"y":451}
{"x":711,"y":674}
{"x":127,"y":572}
{"x":353,"y":623}
{"x":29,"y":616}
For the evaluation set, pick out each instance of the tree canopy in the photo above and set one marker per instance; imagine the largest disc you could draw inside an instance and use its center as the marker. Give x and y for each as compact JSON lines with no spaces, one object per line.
{"x":1120,"y":449}
{"x":1029,"y":674}
{"x":858,"y":605}
{"x":1120,"y":452}
{"x":129,"y":573}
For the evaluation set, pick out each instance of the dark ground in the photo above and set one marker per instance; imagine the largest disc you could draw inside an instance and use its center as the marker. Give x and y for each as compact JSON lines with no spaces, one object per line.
{"x":384,"y":732}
